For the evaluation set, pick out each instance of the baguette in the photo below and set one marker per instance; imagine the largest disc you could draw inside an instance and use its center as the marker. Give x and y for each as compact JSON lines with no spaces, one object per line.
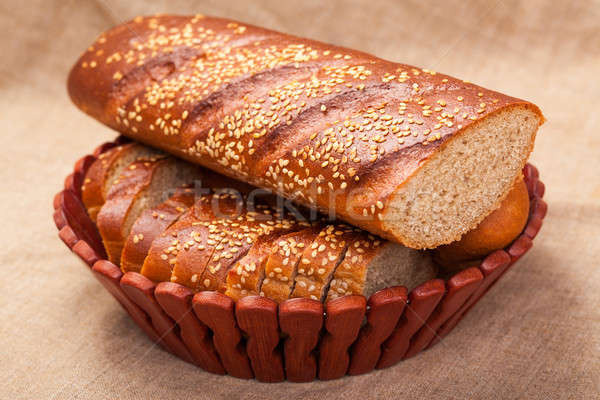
{"x":141,"y":185}
{"x":411,"y":155}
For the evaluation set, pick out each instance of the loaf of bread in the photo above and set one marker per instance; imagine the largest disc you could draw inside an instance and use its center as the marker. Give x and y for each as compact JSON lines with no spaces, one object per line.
{"x":217,"y":240}
{"x":406,"y":153}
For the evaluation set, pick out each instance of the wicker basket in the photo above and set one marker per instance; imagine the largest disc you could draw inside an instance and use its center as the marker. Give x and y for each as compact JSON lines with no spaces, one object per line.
{"x":301,"y":339}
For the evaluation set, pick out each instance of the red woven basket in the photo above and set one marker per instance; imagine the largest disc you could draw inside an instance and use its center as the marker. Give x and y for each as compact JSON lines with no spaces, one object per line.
{"x":301,"y":339}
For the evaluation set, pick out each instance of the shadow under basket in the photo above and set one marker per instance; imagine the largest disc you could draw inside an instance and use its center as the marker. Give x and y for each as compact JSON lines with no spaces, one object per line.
{"x":301,"y":339}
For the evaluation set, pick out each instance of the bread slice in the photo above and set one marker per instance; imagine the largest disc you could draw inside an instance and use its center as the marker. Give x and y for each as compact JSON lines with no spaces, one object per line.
{"x":190,"y":232}
{"x":246,"y":276}
{"x":143,"y":184}
{"x":282,"y":265}
{"x":163,"y":251}
{"x":198,"y":238}
{"x":320,"y":259}
{"x":151,"y":223}
{"x":239,"y":235}
{"x":371,"y":264}
{"x":105,"y":170}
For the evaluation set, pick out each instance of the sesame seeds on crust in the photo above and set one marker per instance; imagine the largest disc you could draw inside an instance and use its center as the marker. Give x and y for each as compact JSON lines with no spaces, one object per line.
{"x":236,"y":237}
{"x":319,"y":260}
{"x":232,"y":74}
{"x":349,"y":277}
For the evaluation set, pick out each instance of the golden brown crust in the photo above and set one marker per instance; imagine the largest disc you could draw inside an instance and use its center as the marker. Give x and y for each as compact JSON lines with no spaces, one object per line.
{"x":495,"y":232}
{"x":282,"y":265}
{"x":295,"y":115}
{"x":239,"y":235}
{"x":320,"y":259}
{"x":350,"y":276}
{"x":151,"y":223}
{"x":191,"y":236}
{"x":200,"y":236}
{"x":161,"y":257}
{"x":246,"y":276}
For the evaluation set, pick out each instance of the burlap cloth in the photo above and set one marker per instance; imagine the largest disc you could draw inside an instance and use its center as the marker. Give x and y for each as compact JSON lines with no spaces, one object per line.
{"x":535,"y":335}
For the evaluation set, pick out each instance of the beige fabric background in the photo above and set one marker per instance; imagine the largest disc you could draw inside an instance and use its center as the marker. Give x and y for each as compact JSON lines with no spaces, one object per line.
{"x":535,"y":335}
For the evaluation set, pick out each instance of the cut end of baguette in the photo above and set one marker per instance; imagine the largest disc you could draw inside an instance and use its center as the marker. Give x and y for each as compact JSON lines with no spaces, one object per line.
{"x":464,"y":182}
{"x":398,"y":265}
